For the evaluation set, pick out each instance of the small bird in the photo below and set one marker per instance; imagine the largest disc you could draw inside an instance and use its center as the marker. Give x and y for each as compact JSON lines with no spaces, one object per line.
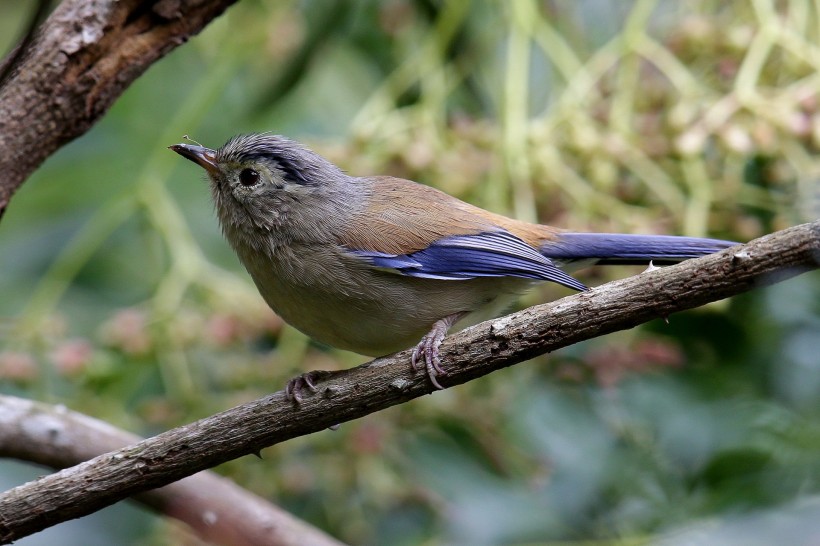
{"x":377,"y":264}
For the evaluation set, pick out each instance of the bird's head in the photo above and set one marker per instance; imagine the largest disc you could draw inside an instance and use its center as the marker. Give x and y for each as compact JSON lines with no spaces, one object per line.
{"x":268,"y":182}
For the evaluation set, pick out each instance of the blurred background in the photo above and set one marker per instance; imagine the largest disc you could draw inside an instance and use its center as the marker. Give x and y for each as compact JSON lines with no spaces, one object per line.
{"x":120,"y":299}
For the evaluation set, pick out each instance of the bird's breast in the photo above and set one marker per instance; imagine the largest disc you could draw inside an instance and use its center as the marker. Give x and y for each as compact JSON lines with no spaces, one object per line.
{"x":340,"y":300}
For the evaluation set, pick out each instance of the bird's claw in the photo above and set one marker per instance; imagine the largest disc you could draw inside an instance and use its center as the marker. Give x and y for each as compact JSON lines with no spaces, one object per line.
{"x":295,"y":386}
{"x":428,"y":348}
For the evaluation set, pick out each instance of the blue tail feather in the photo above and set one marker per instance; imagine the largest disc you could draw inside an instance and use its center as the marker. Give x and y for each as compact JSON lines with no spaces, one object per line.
{"x":615,"y":248}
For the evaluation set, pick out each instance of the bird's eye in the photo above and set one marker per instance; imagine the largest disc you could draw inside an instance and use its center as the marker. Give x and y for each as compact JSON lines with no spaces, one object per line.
{"x":248,"y":177}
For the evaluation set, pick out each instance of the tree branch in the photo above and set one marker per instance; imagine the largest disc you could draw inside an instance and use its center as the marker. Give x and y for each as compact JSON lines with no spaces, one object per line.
{"x":216,"y":508}
{"x":84,"y":56}
{"x":388,"y":381}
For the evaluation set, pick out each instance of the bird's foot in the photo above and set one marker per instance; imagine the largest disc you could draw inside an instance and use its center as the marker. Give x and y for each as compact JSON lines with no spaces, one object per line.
{"x":428,"y":349}
{"x":295,"y":387}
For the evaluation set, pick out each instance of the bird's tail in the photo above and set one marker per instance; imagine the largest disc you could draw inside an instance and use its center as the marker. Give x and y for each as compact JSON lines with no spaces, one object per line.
{"x":615,"y":248}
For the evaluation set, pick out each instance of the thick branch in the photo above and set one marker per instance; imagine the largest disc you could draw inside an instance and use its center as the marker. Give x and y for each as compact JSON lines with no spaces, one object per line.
{"x":217,"y":509}
{"x":388,"y":381}
{"x":85,"y":55}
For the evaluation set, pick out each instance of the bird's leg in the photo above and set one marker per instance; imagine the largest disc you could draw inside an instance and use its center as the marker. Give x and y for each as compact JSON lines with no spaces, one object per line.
{"x":294,"y":387}
{"x":428,"y":346}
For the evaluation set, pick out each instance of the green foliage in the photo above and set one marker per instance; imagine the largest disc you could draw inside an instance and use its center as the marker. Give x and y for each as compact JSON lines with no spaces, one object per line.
{"x":121,"y":300}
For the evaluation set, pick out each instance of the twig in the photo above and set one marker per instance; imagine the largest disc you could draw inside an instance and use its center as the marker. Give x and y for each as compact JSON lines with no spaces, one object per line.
{"x":80,"y":61}
{"x":216,"y":508}
{"x":388,"y":381}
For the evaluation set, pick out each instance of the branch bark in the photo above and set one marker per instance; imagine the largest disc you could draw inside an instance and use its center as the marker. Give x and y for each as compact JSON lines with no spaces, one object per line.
{"x":82,"y":59}
{"x":388,"y":381}
{"x":214,"y":507}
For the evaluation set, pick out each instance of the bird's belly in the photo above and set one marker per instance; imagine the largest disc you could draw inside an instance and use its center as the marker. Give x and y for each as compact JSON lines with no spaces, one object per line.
{"x":347,"y":304}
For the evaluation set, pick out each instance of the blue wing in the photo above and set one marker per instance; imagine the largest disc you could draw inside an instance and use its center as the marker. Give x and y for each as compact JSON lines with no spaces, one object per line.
{"x":488,"y":254}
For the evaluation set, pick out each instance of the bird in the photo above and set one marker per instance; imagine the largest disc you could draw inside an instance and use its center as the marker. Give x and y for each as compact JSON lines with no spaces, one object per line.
{"x":378,"y":264}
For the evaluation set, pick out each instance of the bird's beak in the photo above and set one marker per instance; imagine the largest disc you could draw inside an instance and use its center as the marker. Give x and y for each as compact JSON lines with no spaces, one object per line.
{"x":204,"y":157}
